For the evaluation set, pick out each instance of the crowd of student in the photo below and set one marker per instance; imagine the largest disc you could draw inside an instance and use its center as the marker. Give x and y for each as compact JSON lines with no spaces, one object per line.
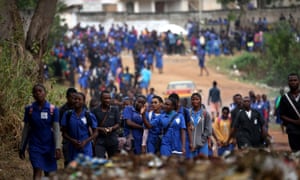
{"x":249,"y":38}
{"x":125,"y":119}
{"x":139,"y":124}
{"x":94,"y":54}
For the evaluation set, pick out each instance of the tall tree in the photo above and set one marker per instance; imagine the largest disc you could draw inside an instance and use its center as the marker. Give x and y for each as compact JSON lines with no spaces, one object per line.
{"x":243,"y":8}
{"x":34,"y":40}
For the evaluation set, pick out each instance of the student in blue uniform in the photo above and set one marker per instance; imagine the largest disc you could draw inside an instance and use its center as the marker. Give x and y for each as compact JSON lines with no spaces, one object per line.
{"x":79,"y":128}
{"x":186,"y":115}
{"x":133,"y":119}
{"x":201,"y":125}
{"x":42,"y":134}
{"x":173,"y":137}
{"x":151,"y":136}
{"x":159,"y":60}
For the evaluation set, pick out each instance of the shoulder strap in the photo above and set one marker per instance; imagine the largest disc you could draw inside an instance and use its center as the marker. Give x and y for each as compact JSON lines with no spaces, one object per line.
{"x":88,"y":118}
{"x":89,"y":122}
{"x":292,"y":104}
{"x":68,"y":117}
{"x":105,"y":117}
{"x":169,"y":124}
{"x":52,"y":107}
{"x":30,"y":110}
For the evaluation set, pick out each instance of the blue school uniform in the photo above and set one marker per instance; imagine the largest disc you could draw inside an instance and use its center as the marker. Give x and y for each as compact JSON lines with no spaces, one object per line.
{"x":153,"y":135}
{"x":201,"y":57}
{"x":132,"y":39}
{"x":149,"y":58}
{"x":114,"y":64}
{"x":41,"y":138}
{"x":159,"y":60}
{"x":77,"y":128}
{"x":83,"y":81}
{"x":171,"y":140}
{"x":126,"y":113}
{"x":137,"y":134}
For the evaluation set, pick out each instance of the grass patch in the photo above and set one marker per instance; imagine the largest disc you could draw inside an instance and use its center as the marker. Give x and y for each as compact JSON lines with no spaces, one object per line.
{"x":241,"y":67}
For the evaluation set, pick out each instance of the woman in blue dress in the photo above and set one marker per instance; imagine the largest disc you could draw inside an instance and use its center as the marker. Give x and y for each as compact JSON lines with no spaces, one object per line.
{"x":133,"y":119}
{"x":151,"y":136}
{"x":83,"y":81}
{"x":173,"y":125}
{"x":42,"y":133}
{"x":159,"y":60}
{"x":79,"y":128}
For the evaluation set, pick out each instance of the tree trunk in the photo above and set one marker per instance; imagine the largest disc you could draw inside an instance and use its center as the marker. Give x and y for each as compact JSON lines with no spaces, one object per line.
{"x":243,"y":13}
{"x":36,"y":41}
{"x":11,"y":31}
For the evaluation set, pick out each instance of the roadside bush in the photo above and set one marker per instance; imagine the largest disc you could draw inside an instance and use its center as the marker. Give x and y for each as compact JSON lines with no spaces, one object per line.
{"x":17,"y":77}
{"x":281,"y":55}
{"x":279,"y":58}
{"x":245,"y":62}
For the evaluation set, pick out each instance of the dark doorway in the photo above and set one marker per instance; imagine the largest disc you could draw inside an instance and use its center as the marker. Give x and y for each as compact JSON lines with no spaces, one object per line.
{"x":159,"y":7}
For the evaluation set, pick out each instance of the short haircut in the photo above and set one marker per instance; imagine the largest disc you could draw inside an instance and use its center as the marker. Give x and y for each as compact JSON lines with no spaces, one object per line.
{"x":293,"y":74}
{"x":175,"y":96}
{"x":174,"y":102}
{"x":104,"y":92}
{"x":81,"y":94}
{"x":158,"y":97}
{"x":38,"y":85}
{"x":70,"y":91}
{"x":225,"y":108}
{"x":214,"y":83}
{"x":196,"y":94}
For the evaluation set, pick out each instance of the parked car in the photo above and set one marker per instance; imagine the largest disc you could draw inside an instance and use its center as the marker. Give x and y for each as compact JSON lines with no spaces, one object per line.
{"x":184,"y":89}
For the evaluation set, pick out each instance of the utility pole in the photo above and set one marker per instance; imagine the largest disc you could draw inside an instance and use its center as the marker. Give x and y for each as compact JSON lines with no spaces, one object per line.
{"x":200,"y":9}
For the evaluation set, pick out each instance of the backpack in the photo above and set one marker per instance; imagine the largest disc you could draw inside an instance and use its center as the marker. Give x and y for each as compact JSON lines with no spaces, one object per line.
{"x":52,"y":107}
{"x":87,"y":116}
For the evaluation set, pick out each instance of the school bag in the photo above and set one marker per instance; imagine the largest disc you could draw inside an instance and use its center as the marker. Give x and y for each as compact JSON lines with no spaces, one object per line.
{"x":30,"y":111}
{"x":52,"y":107}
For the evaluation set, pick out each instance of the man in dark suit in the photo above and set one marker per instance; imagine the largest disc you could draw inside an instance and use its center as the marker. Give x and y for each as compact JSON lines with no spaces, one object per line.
{"x":289,"y":109}
{"x":247,"y":127}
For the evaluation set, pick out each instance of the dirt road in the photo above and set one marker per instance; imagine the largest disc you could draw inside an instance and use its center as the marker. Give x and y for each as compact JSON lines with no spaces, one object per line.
{"x":178,"y":67}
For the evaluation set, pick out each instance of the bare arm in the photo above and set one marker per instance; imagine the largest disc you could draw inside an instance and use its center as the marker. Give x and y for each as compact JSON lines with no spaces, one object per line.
{"x":133,"y":124}
{"x":290,"y":120}
{"x":231,"y":135}
{"x":190,"y":134}
{"x":146,"y":122}
{"x":183,"y":140}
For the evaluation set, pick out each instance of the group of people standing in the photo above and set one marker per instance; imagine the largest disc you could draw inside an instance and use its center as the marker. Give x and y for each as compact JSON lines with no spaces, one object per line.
{"x":146,"y":125}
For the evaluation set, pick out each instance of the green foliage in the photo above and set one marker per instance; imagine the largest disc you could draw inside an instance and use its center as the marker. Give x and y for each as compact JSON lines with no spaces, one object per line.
{"x":246,"y":62}
{"x":57,"y":30}
{"x":280,"y":57}
{"x":231,"y":16}
{"x":282,"y":54}
{"x":225,"y":1}
{"x":17,"y":77}
{"x":26,"y":4}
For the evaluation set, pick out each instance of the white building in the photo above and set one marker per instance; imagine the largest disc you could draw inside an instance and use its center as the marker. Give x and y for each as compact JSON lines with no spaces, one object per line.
{"x":161,"y":6}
